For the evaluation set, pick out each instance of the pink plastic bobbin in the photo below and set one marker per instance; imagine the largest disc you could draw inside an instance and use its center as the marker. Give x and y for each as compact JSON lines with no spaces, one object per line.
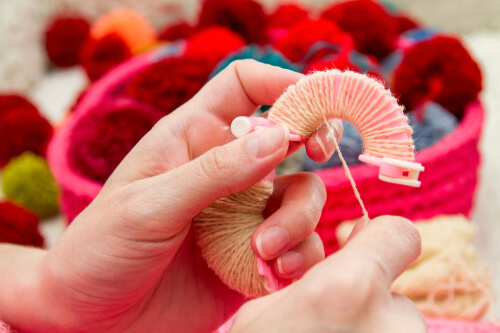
{"x":265,"y":270}
{"x":395,"y":171}
{"x":242,"y":126}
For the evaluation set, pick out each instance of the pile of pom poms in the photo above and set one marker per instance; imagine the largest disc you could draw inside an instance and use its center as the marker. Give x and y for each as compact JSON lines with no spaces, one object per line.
{"x":27,"y":181}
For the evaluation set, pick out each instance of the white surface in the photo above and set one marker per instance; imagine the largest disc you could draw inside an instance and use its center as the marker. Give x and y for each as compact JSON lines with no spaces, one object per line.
{"x":485,"y":46}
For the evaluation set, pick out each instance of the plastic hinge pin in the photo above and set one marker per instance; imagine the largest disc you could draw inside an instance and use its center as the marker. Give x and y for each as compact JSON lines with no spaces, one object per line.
{"x":395,"y":171}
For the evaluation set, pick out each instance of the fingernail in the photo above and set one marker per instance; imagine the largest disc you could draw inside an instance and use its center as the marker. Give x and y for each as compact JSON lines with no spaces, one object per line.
{"x":325,"y":141}
{"x":267,"y":141}
{"x":271,"y":242}
{"x":289,"y":262}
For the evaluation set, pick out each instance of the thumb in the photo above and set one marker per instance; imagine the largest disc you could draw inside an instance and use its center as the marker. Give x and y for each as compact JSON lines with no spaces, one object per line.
{"x":184,"y":192}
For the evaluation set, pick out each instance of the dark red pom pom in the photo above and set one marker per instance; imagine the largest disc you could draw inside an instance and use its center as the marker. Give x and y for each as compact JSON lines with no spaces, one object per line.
{"x":245,"y":17}
{"x":441,"y":70}
{"x":97,"y":56}
{"x":177,"y":31}
{"x":287,"y":15}
{"x":405,"y":23}
{"x":341,"y":64}
{"x":306,"y":33}
{"x":169,"y":83}
{"x":18,"y":226}
{"x":22,"y":128}
{"x":64,"y":37}
{"x":213,"y":45}
{"x":374,"y":31}
{"x":103,"y":137}
{"x":14,"y":101}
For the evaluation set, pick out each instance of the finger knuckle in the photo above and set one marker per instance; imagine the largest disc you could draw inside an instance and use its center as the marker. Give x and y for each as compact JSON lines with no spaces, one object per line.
{"x":352,"y":295}
{"x":216,"y":163}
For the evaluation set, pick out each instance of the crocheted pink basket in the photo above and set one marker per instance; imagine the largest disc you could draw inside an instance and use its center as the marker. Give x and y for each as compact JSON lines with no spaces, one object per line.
{"x":77,"y":191}
{"x":448,"y":183}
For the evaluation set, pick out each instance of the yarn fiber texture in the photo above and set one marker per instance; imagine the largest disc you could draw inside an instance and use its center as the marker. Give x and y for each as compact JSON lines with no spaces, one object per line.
{"x":356,"y":98}
{"x":27,"y":181}
{"x":224,"y":231}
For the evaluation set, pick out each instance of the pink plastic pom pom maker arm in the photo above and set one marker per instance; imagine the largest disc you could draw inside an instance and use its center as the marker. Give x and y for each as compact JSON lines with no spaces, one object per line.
{"x":391,"y":170}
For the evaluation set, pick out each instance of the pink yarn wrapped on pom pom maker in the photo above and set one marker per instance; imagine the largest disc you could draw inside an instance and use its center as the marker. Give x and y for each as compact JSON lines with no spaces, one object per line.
{"x":353,"y":97}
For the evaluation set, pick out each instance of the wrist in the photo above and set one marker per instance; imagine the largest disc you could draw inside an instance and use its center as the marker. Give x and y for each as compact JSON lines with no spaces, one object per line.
{"x":20,"y":303}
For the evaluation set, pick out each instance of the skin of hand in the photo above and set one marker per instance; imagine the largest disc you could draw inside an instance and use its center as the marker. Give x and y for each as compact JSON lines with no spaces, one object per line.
{"x":129,"y":263}
{"x":349,"y":291}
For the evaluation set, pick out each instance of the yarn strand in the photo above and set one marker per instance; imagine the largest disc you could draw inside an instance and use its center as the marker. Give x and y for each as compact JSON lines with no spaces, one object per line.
{"x":347,"y":171}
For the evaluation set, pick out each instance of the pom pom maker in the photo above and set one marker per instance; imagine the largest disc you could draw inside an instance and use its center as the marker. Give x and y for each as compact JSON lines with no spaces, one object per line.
{"x":264,"y":269}
{"x":242,"y":126}
{"x":395,"y":171}
{"x":391,"y":170}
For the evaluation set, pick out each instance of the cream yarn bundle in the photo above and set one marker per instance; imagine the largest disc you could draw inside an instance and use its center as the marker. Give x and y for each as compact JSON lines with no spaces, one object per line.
{"x":223,"y":231}
{"x":447,"y":279}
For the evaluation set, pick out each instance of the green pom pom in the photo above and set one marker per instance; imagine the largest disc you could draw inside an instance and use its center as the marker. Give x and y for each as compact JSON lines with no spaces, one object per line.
{"x":27,"y":180}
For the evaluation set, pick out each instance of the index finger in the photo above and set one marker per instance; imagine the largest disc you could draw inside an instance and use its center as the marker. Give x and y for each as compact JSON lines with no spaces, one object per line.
{"x":390,"y":243}
{"x":243,"y":86}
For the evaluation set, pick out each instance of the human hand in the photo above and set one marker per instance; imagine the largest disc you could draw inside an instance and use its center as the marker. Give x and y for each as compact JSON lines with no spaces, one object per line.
{"x":349,"y":291}
{"x":129,"y":261}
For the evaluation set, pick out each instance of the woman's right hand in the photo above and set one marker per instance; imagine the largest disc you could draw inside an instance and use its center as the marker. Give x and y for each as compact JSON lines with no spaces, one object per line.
{"x":349,"y":291}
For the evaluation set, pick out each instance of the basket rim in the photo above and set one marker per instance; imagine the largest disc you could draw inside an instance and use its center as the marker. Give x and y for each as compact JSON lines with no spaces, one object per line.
{"x":57,"y":156}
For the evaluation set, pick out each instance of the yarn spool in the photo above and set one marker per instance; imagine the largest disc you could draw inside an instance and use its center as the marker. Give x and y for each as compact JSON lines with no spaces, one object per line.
{"x":223,"y":230}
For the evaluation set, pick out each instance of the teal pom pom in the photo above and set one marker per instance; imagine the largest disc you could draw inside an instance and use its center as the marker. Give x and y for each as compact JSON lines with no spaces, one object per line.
{"x":266,"y":55}
{"x":27,"y":181}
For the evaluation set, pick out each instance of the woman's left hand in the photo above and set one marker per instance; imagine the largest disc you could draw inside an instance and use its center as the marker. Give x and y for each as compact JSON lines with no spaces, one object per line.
{"x":129,"y":262}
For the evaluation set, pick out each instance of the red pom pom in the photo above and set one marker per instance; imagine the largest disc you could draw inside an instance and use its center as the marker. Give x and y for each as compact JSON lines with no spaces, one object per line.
{"x":64,"y":37}
{"x":103,"y":137}
{"x":18,"y":226}
{"x":177,"y":31}
{"x":405,"y":23}
{"x":441,"y":70}
{"x":341,"y":64}
{"x":287,"y":15}
{"x":213,"y":45}
{"x":304,"y":34}
{"x":374,"y":31}
{"x":99,"y":55}
{"x":22,"y":128}
{"x":169,"y":83}
{"x":245,"y":17}
{"x":14,"y":101}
